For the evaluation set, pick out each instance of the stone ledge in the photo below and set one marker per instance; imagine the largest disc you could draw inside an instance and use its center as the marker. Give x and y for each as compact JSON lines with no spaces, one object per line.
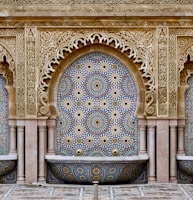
{"x":95,"y":10}
{"x":8,"y":157}
{"x":89,"y":158}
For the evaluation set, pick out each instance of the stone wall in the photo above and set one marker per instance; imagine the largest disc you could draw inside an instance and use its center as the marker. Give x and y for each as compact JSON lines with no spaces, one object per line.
{"x":37,"y":39}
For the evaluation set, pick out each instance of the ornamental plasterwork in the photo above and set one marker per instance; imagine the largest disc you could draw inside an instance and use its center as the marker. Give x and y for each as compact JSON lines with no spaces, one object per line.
{"x":174,"y":66}
{"x":162,"y":33}
{"x":13,"y":41}
{"x":138,"y":44}
{"x":185,"y":49}
{"x":7,"y":48}
{"x":31,"y":71}
{"x":185,"y":70}
{"x":185,"y":73}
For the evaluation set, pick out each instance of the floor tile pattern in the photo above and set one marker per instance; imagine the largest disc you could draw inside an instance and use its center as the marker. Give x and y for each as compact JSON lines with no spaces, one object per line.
{"x":105,"y":192}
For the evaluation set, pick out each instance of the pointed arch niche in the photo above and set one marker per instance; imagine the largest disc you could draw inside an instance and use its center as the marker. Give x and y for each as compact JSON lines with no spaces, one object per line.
{"x":8,"y":110}
{"x":8,"y":151}
{"x":185,"y":104}
{"x":185,"y":115}
{"x":60,"y":69}
{"x":138,"y":94}
{"x":7,"y":70}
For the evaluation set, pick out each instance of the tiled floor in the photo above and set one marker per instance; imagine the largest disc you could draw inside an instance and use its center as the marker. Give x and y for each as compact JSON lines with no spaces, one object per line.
{"x":86,"y":192}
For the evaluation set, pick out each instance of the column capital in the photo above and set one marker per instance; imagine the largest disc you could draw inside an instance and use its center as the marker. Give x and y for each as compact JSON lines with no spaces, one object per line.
{"x":20,"y":123}
{"x":142,"y":122}
{"x":42,"y":122}
{"x":12,"y":122}
{"x":181,"y":122}
{"x":51,"y":122}
{"x":151,"y":122}
{"x":151,"y":127}
{"x":173,"y":123}
{"x":173,"y":126}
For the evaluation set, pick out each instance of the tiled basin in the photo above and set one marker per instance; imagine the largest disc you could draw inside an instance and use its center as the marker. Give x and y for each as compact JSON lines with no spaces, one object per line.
{"x":105,"y":170}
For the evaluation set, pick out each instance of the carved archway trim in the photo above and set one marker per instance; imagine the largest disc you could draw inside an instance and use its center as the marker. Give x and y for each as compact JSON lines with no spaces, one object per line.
{"x":5,"y":56}
{"x":185,"y":70}
{"x":137,"y":44}
{"x":188,"y":51}
{"x":7,"y":69}
{"x":52,"y":91}
{"x":184,"y":75}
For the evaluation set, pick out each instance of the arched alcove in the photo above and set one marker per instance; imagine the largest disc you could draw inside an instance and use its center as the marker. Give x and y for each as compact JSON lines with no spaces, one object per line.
{"x":4,"y":116}
{"x":60,"y":69}
{"x":189,"y":117}
{"x":71,"y":96}
{"x":96,"y":96}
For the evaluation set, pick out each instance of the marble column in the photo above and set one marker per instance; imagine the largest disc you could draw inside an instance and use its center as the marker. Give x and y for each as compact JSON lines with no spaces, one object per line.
{"x":12,"y":125}
{"x":181,"y":136}
{"x":20,"y":151}
{"x":42,"y":150}
{"x":142,"y":137}
{"x":151,"y":152}
{"x":173,"y":148}
{"x":51,"y":136}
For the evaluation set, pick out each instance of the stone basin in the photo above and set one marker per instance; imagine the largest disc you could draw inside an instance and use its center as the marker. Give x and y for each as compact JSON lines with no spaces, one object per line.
{"x":105,"y":170}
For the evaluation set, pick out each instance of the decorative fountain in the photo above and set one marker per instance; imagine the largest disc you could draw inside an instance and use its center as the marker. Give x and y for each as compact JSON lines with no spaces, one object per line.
{"x":96,"y":126}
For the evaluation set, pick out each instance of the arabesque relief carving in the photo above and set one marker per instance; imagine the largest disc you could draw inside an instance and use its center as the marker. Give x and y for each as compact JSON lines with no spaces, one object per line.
{"x":137,"y":44}
{"x":174,"y":67}
{"x":31,"y":72}
{"x":185,"y":49}
{"x":162,"y":70}
{"x":185,"y":61}
{"x":7,"y":59}
{"x":7,"y":69}
{"x":12,"y":49}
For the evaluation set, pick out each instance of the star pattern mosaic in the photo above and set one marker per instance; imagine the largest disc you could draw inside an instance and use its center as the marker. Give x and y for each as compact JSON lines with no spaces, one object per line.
{"x":4,"y":127}
{"x":96,"y":102}
{"x":189,"y":119}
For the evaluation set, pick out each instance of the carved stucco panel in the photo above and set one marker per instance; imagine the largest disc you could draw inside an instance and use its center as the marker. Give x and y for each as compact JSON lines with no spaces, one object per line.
{"x":16,"y":60}
{"x":30,"y":34}
{"x":185,"y":48}
{"x":7,"y":51}
{"x":138,"y":44}
{"x":7,"y":55}
{"x":162,"y":91}
{"x":177,"y":56}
